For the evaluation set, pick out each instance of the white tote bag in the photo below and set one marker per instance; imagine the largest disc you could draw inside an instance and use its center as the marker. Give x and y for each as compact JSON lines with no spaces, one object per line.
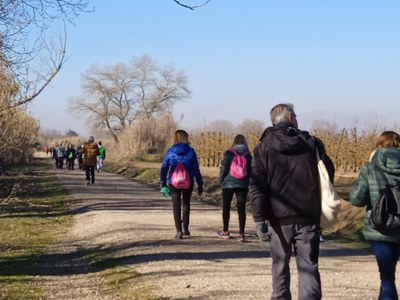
{"x":330,"y":200}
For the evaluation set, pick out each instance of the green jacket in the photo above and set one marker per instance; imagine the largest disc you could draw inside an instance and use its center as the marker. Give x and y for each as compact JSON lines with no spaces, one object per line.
{"x":384,"y":168}
{"x":102,"y":152}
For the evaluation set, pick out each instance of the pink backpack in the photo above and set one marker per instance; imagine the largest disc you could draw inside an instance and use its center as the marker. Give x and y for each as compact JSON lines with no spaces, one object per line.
{"x":180,"y":178}
{"x":238,"y":168}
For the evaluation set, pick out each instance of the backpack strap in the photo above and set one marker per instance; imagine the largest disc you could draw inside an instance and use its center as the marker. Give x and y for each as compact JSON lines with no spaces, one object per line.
{"x":235,"y":152}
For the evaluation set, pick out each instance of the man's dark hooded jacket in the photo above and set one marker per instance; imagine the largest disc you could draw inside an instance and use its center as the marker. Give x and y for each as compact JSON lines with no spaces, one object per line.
{"x":284,"y":183}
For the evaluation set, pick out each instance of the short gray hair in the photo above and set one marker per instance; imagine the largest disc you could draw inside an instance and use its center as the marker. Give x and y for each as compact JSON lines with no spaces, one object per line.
{"x":91,"y":139}
{"x":280,"y":113}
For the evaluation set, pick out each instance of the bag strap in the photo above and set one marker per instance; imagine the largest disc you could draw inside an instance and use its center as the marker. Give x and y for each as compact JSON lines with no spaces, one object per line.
{"x":235,"y":152}
{"x":317,"y":154}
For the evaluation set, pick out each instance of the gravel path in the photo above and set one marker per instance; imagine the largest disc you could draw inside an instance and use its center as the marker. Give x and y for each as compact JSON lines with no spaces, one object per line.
{"x":134,"y":224}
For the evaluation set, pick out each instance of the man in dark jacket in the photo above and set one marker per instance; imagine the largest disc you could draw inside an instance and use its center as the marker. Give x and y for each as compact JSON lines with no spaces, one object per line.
{"x":284,"y":189}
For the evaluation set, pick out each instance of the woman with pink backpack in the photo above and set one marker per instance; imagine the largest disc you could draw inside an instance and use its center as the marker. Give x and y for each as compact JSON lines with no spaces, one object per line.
{"x":234,"y":178}
{"x":179,"y":168}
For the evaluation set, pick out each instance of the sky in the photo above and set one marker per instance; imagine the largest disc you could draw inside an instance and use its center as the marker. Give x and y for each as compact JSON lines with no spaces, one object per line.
{"x":337,"y":61}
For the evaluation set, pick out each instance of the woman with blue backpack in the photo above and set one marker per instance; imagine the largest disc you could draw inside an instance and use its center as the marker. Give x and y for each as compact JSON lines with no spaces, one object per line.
{"x":234,"y":178}
{"x":179,"y":168}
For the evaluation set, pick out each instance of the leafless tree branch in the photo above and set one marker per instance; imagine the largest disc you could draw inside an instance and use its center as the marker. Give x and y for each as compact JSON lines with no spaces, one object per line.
{"x":191,"y":7}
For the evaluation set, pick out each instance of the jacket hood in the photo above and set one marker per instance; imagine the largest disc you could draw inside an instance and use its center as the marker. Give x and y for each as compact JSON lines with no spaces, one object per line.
{"x":287,"y":140}
{"x":240,"y":148}
{"x":388,"y":159}
{"x":180,"y":149}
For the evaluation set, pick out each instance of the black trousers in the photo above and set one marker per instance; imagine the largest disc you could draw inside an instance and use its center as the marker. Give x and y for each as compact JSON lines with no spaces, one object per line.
{"x":60,"y":162}
{"x":89,"y":170}
{"x":71,"y":163}
{"x":241,"y":198}
{"x":181,"y":207}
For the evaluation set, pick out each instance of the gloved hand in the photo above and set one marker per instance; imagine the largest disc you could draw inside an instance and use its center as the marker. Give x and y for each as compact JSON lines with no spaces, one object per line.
{"x":200,"y":190}
{"x":262,"y":231}
{"x":165,"y":192}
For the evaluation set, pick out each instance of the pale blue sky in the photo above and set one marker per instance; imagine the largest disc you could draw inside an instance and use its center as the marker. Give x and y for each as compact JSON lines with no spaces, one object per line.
{"x":334,"y":60}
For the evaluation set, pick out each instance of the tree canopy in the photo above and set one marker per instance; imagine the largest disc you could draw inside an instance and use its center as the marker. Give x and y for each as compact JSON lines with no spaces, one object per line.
{"x":117,"y":95}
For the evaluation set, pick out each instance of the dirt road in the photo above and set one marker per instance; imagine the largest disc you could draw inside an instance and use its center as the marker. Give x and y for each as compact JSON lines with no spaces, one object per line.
{"x":133,"y":224}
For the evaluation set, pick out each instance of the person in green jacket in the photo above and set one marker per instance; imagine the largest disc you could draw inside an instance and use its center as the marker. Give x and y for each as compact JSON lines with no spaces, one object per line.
{"x":101,"y":157}
{"x":383,"y":169}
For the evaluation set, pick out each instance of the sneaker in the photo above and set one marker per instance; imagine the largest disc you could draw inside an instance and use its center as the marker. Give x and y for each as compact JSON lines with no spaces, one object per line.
{"x":242,"y":238}
{"x":178,"y":236}
{"x":186,"y":234}
{"x":321,"y":238}
{"x":224,"y":234}
{"x":87,"y":182}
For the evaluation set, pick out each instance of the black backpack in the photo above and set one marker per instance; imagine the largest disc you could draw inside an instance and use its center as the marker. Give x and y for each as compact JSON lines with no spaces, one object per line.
{"x":385,"y":213}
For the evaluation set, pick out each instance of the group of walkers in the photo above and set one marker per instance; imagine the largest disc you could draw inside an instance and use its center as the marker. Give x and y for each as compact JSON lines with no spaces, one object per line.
{"x":282,"y":181}
{"x":90,"y":158}
{"x":67,"y":155}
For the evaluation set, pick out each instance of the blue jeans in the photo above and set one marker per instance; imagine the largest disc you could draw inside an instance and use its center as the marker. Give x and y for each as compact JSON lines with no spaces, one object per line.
{"x":387,"y":255}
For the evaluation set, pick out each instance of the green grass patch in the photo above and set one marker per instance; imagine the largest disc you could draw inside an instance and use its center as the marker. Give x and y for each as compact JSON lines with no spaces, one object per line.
{"x":352,"y":238}
{"x":148,"y":175}
{"x":128,"y":167}
{"x":33,"y":215}
{"x":20,"y":290}
{"x":119,"y":281}
{"x":118,"y":277}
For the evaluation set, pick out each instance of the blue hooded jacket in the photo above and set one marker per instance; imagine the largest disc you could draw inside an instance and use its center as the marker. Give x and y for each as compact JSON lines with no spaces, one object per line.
{"x":180,"y":153}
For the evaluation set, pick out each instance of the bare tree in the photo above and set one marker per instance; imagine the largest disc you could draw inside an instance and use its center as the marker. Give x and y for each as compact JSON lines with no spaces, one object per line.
{"x":250,"y":126}
{"x":115,"y":96}
{"x":220,"y":126}
{"x":24,"y":22}
{"x":23,"y":25}
{"x":29,"y":85}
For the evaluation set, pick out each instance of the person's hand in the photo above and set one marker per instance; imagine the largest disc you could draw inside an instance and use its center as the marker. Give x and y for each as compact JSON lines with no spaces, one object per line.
{"x":262,"y":231}
{"x":165,"y":192}
{"x":200,"y":190}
